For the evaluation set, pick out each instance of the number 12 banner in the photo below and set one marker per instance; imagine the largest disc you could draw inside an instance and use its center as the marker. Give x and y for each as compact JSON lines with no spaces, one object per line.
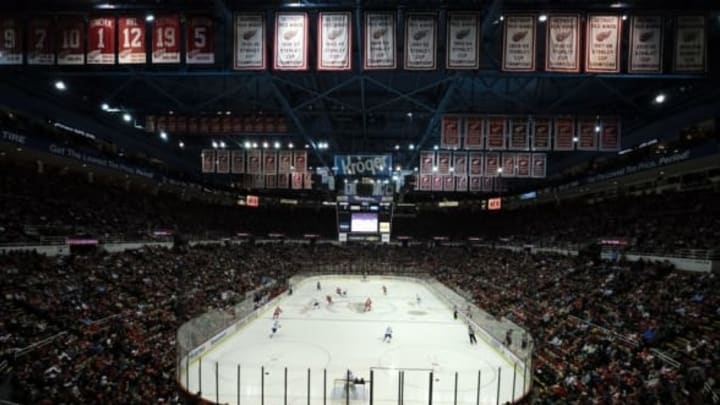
{"x":131,"y":40}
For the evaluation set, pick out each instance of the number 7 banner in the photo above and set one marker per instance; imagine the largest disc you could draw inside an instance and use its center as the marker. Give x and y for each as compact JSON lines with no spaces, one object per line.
{"x":200,"y":45}
{"x":39,"y":39}
{"x":166,"y":39}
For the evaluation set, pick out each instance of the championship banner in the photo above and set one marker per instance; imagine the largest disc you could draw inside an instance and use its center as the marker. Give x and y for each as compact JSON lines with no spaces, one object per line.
{"x":300,"y":161}
{"x":420,"y":42}
{"x":270,"y":162}
{"x":562,"y":43}
{"x":587,"y":136}
{"x":519,"y":134}
{"x":297,"y":181}
{"x":193,"y":125}
{"x":427,"y":162}
{"x":460,"y":163}
{"x":476,"y":164}
{"x":474,"y":132}
{"x":690,"y":53}
{"x":564,"y":132}
{"x":379,"y":48}
{"x":307,"y":181}
{"x":254,"y":161}
{"x":443,"y":164}
{"x":291,"y":41}
{"x":208,"y":160}
{"x":11,"y":46}
{"x":463,"y":41}
{"x":519,"y":43}
{"x":610,"y":134}
{"x":541,"y":131}
{"x":646,"y":44}
{"x":271,"y":181}
{"x":425,"y":182}
{"x":475,"y":183}
{"x":602,"y":43}
{"x":508,"y":164}
{"x":283,"y":180}
{"x":166,"y":39}
{"x":223,"y":161}
{"x":437,"y":183}
{"x":539,"y":163}
{"x":448,"y":183}
{"x":71,"y":41}
{"x":258,"y":181}
{"x":495,"y":133}
{"x":101,"y":41}
{"x":237,"y":162}
{"x":450,"y":132}
{"x":131,"y":40}
{"x":39,"y":47}
{"x":492,"y":164}
{"x":334,"y":41}
{"x":487,"y":184}
{"x":250,"y":47}
{"x":199,"y":40}
{"x":285,"y":161}
{"x":523,"y":165}
{"x":461,"y":183}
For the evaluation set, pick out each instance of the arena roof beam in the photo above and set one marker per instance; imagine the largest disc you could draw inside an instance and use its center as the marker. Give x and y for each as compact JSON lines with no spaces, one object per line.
{"x":313,"y":92}
{"x":405,"y":96}
{"x":325,"y":94}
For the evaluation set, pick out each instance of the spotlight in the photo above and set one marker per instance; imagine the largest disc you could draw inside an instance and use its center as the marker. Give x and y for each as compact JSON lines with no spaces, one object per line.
{"x":597,"y":128}
{"x":398,"y":168}
{"x":248,"y":145}
{"x":127,"y":117}
{"x":214,"y":145}
{"x":60,"y":85}
{"x":624,"y":17}
{"x":436,"y":147}
{"x":435,"y":168}
{"x":105,"y":106}
{"x":222,"y":144}
{"x":149,"y":18}
{"x":411,"y":146}
{"x":277,"y":145}
{"x":500,"y":170}
{"x":542,"y":18}
{"x":502,"y":18}
{"x":409,"y":115}
{"x":181,"y":144}
{"x":254,"y":145}
{"x":660,"y":98}
{"x":265,"y":145}
{"x":163,"y":135}
{"x":290,"y":145}
{"x":397,"y":147}
{"x":575,"y":139}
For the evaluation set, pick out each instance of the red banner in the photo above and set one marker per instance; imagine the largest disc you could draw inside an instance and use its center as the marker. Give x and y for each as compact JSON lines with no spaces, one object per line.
{"x":300,"y":161}
{"x":40,"y":40}
{"x":285,"y":161}
{"x":437,"y":183}
{"x":208,"y":161}
{"x":496,"y":128}
{"x":587,"y":134}
{"x":254,"y":161}
{"x":562,"y":43}
{"x":475,"y":183}
{"x":508,"y":164}
{"x":539,"y":163}
{"x":690,"y":53}
{"x":166,"y":39}
{"x":448,"y":183}
{"x":519,"y":134}
{"x":101,"y":41}
{"x":283,"y":180}
{"x":564,"y":132}
{"x":334,"y":41}
{"x":610,"y":134}
{"x":450,"y":132}
{"x":420,"y":42}
{"x":291,"y":41}
{"x":379,"y":47}
{"x":427,"y":162}
{"x":443,"y":164}
{"x":492,"y":164}
{"x":463,"y":41}
{"x":460,"y":163}
{"x":519,"y":43}
{"x":646,"y":44}
{"x":71,"y":41}
{"x":461,"y":183}
{"x":474,"y":132}
{"x":270,"y":162}
{"x":476,"y":164}
{"x":238,"y":162}
{"x":250,"y":47}
{"x":131,"y":40}
{"x":523,"y":165}
{"x":199,"y":40}
{"x":297,"y":181}
{"x":11,"y":45}
{"x":540,"y":133}
{"x":223,"y":161}
{"x":602,"y":43}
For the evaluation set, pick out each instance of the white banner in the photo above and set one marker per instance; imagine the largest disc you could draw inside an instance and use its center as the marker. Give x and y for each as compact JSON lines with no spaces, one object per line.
{"x":690,"y":52}
{"x":519,"y":43}
{"x":602,"y":44}
{"x":562,"y":43}
{"x":334,"y":41}
{"x":463,"y":40}
{"x":380,"y":51}
{"x":420,"y":42}
{"x":646,"y":43}
{"x":291,"y":36}
{"x":250,"y":48}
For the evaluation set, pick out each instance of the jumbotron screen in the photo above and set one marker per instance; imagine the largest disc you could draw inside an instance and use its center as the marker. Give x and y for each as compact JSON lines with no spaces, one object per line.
{"x":364,"y":222}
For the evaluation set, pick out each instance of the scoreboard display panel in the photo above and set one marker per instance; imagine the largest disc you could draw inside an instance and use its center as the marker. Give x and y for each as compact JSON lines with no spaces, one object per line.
{"x":364,"y":219}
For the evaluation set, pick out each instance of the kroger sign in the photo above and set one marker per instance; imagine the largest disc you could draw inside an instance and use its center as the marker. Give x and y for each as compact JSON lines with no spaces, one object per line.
{"x":363,"y":165}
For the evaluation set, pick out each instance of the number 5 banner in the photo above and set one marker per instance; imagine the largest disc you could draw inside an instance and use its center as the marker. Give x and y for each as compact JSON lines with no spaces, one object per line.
{"x":166,"y":39}
{"x":199,"y":39}
{"x":131,"y":40}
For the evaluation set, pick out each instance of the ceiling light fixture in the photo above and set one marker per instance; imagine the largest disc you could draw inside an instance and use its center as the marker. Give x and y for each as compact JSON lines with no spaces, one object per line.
{"x":60,"y":85}
{"x":542,"y":18}
{"x":660,"y":98}
{"x":149,"y":18}
{"x":127,"y":117}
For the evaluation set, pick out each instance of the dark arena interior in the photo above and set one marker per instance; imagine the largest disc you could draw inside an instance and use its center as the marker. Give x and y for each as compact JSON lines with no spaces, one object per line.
{"x":422,"y":202}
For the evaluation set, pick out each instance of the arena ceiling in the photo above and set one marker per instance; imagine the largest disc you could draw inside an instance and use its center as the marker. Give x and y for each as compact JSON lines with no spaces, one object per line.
{"x":356,"y":111}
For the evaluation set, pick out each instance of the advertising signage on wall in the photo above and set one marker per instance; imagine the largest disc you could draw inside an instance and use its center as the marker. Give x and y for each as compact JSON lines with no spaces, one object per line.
{"x":363,"y":165}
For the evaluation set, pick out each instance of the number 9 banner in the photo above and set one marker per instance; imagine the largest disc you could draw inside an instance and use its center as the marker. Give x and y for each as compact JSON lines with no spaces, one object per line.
{"x":11,"y":42}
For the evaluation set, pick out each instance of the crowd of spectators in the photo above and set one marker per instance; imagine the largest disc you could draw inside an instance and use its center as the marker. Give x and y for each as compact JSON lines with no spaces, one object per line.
{"x":596,"y":325}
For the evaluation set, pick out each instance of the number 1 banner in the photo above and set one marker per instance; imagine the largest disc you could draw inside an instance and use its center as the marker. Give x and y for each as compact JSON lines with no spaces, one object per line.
{"x":199,"y":39}
{"x":166,"y":39}
{"x":101,"y":41}
{"x":131,"y":40}
{"x":334,"y":41}
{"x":11,"y":44}
{"x":71,"y":41}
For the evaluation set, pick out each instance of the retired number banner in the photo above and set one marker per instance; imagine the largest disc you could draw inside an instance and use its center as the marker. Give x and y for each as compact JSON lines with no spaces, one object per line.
{"x":519,"y":43}
{"x":463,"y":41}
{"x":460,"y":163}
{"x":101,"y":41}
{"x":448,"y":183}
{"x":380,"y":51}
{"x":610,"y":134}
{"x":690,"y":44}
{"x":334,"y":41}
{"x":11,"y":43}
{"x":474,"y":132}
{"x":427,"y":162}
{"x":519,"y":134}
{"x":539,"y":161}
{"x":450,"y":132}
{"x":564,"y":132}
{"x":283,"y":180}
{"x":646,"y":43}
{"x":562,"y":43}
{"x":587,"y":136}
{"x":199,"y":40}
{"x":602,"y":43}
{"x":437,"y":183}
{"x":39,"y":47}
{"x":166,"y":39}
{"x":420,"y":42}
{"x":71,"y":41}
{"x":250,"y":49}
{"x":291,"y":41}
{"x":496,"y":128}
{"x":208,"y":160}
{"x":540,"y":131}
{"x":131,"y":40}
{"x":523,"y":165}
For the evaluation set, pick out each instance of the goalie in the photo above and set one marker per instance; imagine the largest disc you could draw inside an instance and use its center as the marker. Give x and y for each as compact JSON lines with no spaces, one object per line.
{"x":368,"y":305}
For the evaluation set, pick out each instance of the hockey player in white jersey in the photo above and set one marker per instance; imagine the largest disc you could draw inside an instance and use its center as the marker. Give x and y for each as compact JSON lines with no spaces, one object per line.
{"x":388,"y":335}
{"x":274,"y":328}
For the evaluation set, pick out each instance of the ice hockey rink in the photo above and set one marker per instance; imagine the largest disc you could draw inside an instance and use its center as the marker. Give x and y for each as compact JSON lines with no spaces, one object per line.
{"x":306,"y":361}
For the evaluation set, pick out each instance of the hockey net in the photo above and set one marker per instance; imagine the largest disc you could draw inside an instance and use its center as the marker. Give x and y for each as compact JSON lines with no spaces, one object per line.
{"x":343,"y":389}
